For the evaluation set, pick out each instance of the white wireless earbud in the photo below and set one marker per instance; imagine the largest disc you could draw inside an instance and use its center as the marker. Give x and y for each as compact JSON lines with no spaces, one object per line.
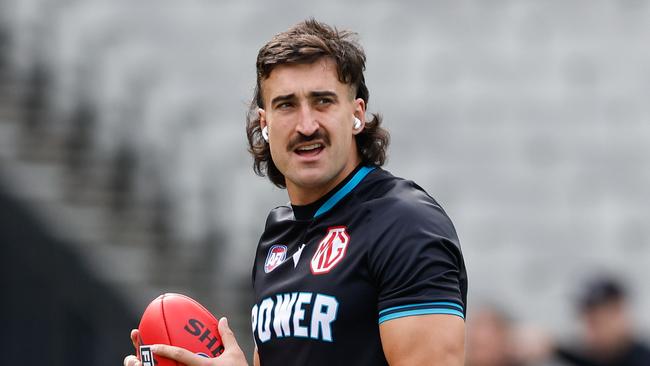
{"x":357,"y":123}
{"x":265,"y":133}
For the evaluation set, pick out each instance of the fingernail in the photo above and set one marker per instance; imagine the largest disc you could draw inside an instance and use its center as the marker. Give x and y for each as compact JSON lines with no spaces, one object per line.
{"x":154,"y":348}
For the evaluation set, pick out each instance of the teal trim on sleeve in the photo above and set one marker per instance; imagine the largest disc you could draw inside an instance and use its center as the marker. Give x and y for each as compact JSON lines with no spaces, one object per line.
{"x":402,"y":314}
{"x":425,"y":304}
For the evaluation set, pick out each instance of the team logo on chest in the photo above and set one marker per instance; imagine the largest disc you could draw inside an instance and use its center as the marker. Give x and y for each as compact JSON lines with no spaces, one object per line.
{"x":277,"y":255}
{"x":330,"y":251}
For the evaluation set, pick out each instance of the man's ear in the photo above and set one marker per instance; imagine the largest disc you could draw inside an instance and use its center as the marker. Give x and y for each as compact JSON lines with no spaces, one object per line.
{"x":360,"y":113}
{"x":262,"y":115}
{"x":263,"y":125}
{"x":359,"y":106}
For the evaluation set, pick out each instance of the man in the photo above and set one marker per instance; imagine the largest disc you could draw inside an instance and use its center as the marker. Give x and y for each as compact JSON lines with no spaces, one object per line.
{"x":362,"y":268}
{"x":608,"y":337}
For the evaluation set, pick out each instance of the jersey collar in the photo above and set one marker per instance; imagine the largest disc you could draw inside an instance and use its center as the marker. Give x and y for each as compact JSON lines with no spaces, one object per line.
{"x":328,"y":201}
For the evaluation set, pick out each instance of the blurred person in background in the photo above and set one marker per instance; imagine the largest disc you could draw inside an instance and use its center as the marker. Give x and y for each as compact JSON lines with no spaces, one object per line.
{"x":361,"y":268}
{"x":490,"y":335}
{"x":608,"y":334}
{"x":608,"y":328}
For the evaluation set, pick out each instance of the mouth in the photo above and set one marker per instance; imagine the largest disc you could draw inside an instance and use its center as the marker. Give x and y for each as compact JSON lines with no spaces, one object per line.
{"x":310,"y":150}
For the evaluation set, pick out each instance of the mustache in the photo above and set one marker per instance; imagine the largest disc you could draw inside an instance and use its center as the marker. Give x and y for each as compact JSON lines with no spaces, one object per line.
{"x":300,"y":139}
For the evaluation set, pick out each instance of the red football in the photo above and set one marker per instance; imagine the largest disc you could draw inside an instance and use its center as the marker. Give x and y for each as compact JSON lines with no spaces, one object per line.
{"x":177,"y":320}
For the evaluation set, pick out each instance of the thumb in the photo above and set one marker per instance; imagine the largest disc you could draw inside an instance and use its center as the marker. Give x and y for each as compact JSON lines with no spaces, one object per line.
{"x":227,"y":336}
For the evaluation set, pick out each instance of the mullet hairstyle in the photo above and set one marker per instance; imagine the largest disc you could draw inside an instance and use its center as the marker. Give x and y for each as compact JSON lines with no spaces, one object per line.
{"x":305,"y":43}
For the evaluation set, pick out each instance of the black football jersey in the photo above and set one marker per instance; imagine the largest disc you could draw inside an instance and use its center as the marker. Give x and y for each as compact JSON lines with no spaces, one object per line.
{"x":325,"y":275}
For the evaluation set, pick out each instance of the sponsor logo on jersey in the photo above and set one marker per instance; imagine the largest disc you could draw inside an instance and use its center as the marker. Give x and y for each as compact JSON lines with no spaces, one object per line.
{"x":277,"y":255}
{"x":330,"y":251}
{"x":295,"y":314}
{"x":296,"y":255}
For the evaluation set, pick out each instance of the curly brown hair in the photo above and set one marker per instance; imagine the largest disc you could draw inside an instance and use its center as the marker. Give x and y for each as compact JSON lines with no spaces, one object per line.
{"x":305,"y":43}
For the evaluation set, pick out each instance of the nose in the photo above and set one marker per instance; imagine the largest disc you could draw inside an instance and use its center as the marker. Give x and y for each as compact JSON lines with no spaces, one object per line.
{"x":307,"y":122}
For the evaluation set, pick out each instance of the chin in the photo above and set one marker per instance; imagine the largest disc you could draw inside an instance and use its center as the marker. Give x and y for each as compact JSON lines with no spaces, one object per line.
{"x":312,"y":177}
{"x":311,"y":180}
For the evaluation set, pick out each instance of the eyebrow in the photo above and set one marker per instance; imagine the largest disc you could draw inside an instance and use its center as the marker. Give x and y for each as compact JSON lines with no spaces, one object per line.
{"x":313,"y":94}
{"x":282,"y":98}
{"x":324,"y":93}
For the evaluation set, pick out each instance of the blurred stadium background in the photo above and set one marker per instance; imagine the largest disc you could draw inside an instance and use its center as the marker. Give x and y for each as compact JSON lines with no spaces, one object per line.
{"x":124,"y":171}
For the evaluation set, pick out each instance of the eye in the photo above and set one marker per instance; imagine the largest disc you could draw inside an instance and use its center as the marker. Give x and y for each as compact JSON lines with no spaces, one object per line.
{"x":284,"y":105}
{"x":323,"y":101}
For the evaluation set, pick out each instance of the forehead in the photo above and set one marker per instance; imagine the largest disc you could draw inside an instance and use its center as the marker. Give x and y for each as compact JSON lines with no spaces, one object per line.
{"x":300,"y":79}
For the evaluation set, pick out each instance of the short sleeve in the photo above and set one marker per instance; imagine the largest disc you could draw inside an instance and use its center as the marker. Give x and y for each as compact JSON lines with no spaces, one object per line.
{"x":417,"y":262}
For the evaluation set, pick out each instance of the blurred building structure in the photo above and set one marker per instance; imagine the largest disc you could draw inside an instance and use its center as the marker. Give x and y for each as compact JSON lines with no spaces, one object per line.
{"x":122,"y":129}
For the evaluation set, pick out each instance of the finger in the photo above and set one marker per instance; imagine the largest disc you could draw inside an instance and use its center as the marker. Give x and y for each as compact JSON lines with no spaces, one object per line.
{"x":135,"y":338}
{"x":227,"y":336}
{"x":177,"y":354}
{"x":131,"y":360}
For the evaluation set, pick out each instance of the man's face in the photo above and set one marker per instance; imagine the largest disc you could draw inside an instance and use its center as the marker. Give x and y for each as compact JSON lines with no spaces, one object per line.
{"x":310,"y":115}
{"x":607,"y":326}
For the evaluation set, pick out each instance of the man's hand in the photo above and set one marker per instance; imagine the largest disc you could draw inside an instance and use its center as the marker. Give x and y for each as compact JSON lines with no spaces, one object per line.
{"x":232,"y":355}
{"x":132,"y":360}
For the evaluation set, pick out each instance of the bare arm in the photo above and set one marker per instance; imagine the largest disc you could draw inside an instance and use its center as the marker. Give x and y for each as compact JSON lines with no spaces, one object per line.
{"x":435,"y":339}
